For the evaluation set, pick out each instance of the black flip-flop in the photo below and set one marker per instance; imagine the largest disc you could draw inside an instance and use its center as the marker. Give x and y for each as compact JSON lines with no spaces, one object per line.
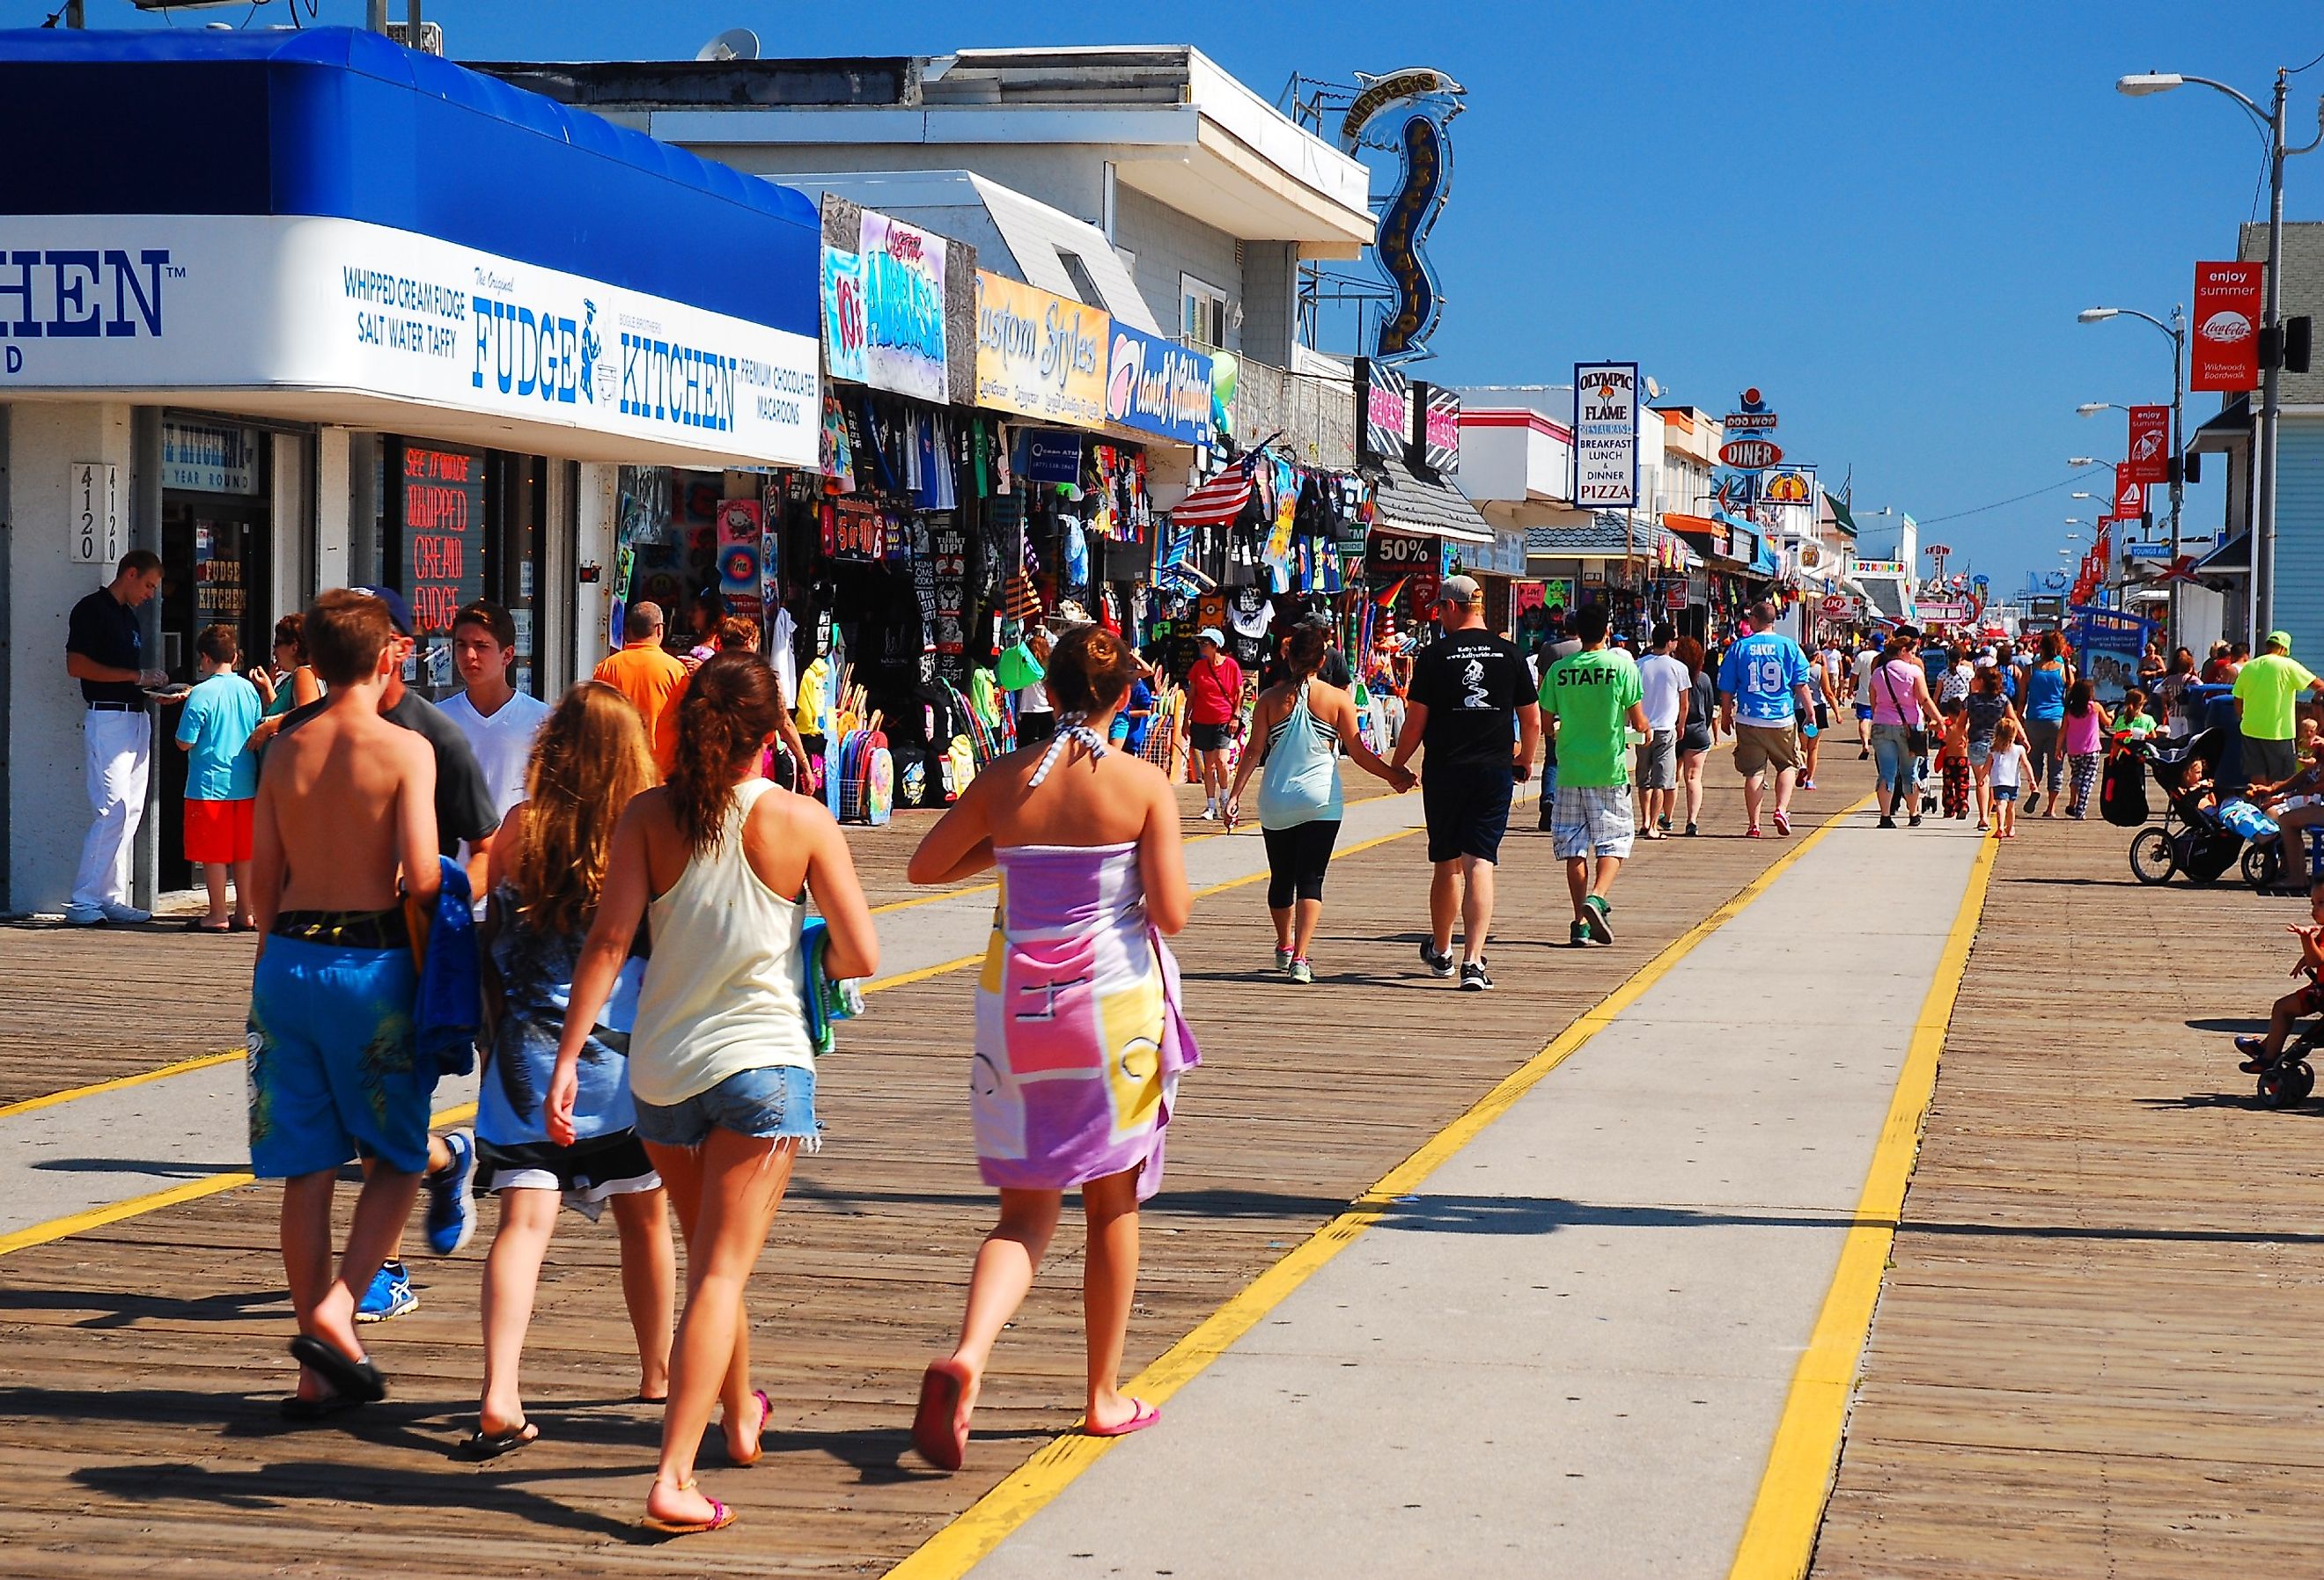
{"x":357,"y":1380}
{"x":481,"y":1444}
{"x":195,"y":926}
{"x":305,"y":1410}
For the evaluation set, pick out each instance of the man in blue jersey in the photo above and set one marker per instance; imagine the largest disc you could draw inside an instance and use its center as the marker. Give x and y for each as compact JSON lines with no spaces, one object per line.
{"x":1763,"y":696}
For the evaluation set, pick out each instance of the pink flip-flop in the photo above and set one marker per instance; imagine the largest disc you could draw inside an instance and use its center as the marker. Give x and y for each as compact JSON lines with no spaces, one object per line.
{"x":766,"y":1414}
{"x":1145,"y":1416}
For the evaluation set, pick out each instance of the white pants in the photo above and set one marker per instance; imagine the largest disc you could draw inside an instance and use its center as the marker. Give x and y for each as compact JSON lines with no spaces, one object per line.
{"x":118,"y":750}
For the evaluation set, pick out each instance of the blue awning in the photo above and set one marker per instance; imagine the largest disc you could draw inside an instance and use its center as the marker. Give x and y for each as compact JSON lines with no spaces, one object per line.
{"x":339,"y":123}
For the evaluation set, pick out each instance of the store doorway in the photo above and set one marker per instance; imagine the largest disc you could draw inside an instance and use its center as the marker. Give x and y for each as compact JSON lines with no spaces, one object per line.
{"x":217,"y":565}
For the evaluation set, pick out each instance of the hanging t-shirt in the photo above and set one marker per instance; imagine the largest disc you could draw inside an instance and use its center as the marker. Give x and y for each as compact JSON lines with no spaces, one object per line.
{"x":1470,"y":682}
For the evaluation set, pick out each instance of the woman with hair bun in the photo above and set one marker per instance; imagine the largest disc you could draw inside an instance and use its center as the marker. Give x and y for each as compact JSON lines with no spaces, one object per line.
{"x":1079,"y":1042}
{"x":720,"y":862}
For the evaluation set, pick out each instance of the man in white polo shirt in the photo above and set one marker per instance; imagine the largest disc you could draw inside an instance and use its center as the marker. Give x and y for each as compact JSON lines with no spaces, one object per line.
{"x":499,"y":721}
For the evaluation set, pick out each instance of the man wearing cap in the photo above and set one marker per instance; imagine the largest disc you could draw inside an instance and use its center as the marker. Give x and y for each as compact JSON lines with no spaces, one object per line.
{"x":1469,"y":706}
{"x":2267,"y":701}
{"x":465,"y":811}
{"x":1213,"y":702}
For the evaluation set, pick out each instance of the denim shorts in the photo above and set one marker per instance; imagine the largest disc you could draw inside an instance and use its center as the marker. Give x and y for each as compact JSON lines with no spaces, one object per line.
{"x":773,"y":1104}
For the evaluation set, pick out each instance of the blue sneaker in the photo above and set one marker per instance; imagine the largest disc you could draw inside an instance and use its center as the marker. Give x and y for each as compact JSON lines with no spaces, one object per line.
{"x":390,"y":1295}
{"x":451,"y":1211}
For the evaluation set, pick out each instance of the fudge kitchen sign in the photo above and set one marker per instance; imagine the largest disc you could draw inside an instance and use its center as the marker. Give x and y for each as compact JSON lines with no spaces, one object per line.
{"x":360,"y":312}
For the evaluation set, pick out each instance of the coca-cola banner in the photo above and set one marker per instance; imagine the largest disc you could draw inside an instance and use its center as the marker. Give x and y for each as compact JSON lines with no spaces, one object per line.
{"x":2224,"y":349}
{"x":2150,"y":444}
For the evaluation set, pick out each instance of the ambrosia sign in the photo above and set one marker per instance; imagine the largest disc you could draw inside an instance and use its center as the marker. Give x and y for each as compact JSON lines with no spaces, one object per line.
{"x":357,"y":312}
{"x":1158,"y":387}
{"x":1038,"y":355}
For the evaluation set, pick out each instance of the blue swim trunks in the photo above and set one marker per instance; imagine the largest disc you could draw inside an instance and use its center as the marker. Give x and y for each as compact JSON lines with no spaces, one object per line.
{"x":331,"y":1060}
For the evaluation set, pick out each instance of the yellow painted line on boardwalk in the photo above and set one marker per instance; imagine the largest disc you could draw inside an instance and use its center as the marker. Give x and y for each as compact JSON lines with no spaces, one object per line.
{"x":960,"y":1546}
{"x":1779,"y":1538}
{"x":123,"y":1082}
{"x":169,"y":1196}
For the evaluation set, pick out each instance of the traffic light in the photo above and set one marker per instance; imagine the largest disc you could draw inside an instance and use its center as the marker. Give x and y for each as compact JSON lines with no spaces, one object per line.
{"x":2286,"y":346}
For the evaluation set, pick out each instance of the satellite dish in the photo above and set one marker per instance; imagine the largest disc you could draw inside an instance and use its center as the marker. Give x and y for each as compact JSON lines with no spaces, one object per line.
{"x":1654,"y":390}
{"x":736,"y":44}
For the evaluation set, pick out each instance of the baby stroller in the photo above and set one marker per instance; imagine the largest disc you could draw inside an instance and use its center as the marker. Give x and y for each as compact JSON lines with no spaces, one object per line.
{"x":2194,"y":840}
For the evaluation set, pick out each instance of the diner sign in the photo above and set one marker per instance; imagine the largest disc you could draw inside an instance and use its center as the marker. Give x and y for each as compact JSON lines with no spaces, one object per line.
{"x":1038,"y":355}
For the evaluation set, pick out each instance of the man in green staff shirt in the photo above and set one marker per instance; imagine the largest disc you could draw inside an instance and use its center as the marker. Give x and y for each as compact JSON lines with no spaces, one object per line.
{"x":1591,"y":699}
{"x":2267,"y":701}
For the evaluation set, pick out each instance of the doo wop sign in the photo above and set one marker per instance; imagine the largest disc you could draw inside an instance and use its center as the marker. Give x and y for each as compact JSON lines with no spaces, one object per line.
{"x":360,"y":313}
{"x":1605,"y":435}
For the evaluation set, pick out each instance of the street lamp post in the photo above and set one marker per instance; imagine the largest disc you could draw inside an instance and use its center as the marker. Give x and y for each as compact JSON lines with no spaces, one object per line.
{"x":2263,"y":557}
{"x":2177,"y":331}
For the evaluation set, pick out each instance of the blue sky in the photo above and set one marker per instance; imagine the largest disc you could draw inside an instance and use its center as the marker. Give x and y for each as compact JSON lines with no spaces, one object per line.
{"x":1885,"y":216}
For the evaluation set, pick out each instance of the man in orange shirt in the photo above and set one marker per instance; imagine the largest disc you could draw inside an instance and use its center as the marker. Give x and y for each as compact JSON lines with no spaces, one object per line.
{"x":651,"y":678}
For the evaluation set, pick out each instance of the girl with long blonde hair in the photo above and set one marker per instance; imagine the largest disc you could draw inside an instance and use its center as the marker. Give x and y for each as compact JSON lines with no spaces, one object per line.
{"x":589,"y":762}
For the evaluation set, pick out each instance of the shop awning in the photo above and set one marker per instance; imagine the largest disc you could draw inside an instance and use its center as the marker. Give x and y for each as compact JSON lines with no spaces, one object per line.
{"x":323,"y":226}
{"x":1608,"y":535}
{"x":1405,"y":502}
{"x":2232,"y":558}
{"x":2225,"y":433}
{"x":1888,"y":598}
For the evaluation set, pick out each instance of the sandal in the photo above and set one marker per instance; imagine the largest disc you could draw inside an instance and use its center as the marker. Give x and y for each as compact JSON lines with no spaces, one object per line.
{"x":304,"y":1411}
{"x":766,"y":1414}
{"x":721,"y":1517}
{"x":481,"y":1444}
{"x":359,"y":1380}
{"x":1143,"y":1417}
{"x":940,"y":1424}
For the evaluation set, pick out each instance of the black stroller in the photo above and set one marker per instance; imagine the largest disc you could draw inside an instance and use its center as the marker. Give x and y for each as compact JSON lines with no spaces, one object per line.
{"x":2193,"y":839}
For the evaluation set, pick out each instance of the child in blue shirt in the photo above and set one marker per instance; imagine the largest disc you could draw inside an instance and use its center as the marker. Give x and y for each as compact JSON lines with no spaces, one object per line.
{"x":221,"y":777}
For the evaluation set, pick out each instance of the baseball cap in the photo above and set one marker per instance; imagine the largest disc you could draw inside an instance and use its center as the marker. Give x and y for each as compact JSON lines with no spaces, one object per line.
{"x":1211,"y":633}
{"x":1461,"y":590}
{"x":399,"y":612}
{"x":2281,"y":639}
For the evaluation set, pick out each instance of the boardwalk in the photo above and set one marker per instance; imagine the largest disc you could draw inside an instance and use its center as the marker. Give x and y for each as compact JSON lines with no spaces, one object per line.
{"x":141,"y":1360}
{"x":2090,"y":1357}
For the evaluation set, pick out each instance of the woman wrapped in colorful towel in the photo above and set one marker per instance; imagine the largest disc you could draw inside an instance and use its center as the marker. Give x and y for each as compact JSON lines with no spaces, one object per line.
{"x":1079,"y":1040}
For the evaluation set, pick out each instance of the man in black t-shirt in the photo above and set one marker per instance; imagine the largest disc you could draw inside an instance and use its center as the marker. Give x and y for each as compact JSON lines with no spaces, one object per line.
{"x":105,"y":651}
{"x":465,"y":810}
{"x":1470,"y":707}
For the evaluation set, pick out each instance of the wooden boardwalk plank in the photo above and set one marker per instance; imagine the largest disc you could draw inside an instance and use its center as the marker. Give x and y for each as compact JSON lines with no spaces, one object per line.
{"x":139,"y":1363}
{"x":2079,"y":1364}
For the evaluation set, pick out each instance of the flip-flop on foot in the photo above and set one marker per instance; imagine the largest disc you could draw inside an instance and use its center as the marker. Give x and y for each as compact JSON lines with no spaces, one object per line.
{"x":766,"y":1414}
{"x":1143,"y":1417}
{"x":940,"y":1424}
{"x":357,"y":1380}
{"x":481,"y":1444}
{"x":721,"y":1517}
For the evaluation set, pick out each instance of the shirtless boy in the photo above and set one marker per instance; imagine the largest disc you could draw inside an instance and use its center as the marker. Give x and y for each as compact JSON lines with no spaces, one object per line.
{"x":343,"y":804}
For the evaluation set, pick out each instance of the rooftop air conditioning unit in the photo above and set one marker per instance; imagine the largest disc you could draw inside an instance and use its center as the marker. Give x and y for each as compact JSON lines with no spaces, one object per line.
{"x":431,"y":37}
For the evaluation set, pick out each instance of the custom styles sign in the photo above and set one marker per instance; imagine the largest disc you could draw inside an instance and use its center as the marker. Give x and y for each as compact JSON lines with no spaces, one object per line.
{"x":1038,"y":355}
{"x":2223,"y":352}
{"x":2150,"y":444}
{"x":1605,"y":435}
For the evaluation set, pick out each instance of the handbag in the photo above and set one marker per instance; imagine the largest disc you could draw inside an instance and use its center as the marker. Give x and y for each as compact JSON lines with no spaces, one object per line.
{"x":1916,"y":739}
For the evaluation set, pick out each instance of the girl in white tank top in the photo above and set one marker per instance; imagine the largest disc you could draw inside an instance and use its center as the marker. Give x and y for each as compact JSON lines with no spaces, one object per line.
{"x":720,"y":1062}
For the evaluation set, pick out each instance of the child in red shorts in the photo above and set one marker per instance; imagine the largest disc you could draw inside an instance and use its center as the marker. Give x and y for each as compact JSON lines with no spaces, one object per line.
{"x":221,"y":777}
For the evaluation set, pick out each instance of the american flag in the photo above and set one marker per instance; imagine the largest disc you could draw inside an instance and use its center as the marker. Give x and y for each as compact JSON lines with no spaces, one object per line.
{"x":1220,"y":500}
